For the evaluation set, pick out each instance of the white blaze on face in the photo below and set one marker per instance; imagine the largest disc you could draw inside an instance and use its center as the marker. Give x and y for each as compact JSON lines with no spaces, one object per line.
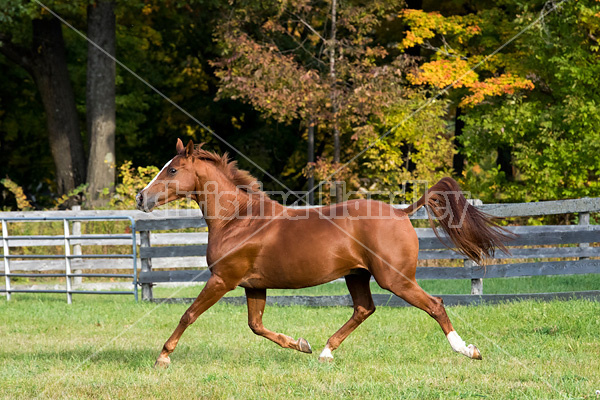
{"x":159,"y":172}
{"x":459,"y":345}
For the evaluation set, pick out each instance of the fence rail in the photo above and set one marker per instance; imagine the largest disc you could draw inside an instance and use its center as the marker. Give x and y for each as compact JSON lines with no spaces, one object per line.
{"x":180,"y":256}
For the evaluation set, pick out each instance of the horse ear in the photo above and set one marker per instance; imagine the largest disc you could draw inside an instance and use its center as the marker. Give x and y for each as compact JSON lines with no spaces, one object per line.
{"x":189,"y":149}
{"x":179,"y":146}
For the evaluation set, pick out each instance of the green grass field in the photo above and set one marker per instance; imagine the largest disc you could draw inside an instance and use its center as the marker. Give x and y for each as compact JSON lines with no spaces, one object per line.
{"x":105,"y":346}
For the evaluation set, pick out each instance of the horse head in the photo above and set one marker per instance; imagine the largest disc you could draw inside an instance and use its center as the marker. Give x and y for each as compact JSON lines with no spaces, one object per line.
{"x":176,"y":180}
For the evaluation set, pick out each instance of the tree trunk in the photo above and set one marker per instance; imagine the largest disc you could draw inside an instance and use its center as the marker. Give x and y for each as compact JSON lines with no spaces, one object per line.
{"x":100,"y":102}
{"x":505,"y":161}
{"x":49,"y":69}
{"x":458,"y":161}
{"x":311,"y":159}
{"x":339,"y":196}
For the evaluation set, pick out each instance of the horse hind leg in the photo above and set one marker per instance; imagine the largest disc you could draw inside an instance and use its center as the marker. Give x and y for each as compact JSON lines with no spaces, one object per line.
{"x":256,"y":299}
{"x":358,"y":286}
{"x":410,"y":291}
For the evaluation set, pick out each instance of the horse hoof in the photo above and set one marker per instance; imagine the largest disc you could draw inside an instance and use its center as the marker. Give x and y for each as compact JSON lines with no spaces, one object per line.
{"x":326,"y":359}
{"x":304,"y":346}
{"x":476,"y":354}
{"x":162,"y":362}
{"x":326,"y":355}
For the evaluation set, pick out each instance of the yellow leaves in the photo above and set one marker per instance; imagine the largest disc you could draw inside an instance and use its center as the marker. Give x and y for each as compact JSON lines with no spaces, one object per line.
{"x":190,"y":131}
{"x":441,"y":73}
{"x":132,"y":181}
{"x":237,"y":123}
{"x":22,"y":201}
{"x":425,"y":25}
{"x":422,"y":25}
{"x":147,"y":9}
{"x":192,"y":69}
{"x":81,"y":189}
{"x":411,"y":40}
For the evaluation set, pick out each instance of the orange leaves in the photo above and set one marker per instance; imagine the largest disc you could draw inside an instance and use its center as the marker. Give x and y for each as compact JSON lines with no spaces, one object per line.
{"x":496,"y":86}
{"x":441,"y":73}
{"x":456,"y":72}
{"x":450,"y":67}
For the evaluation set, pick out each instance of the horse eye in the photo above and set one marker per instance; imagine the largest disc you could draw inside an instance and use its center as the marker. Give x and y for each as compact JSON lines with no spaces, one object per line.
{"x":172,"y":171}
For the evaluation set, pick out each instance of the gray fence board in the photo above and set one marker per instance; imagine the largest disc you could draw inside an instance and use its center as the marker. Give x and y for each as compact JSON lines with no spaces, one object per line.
{"x":179,"y":238}
{"x":542,"y":207}
{"x":443,"y":273}
{"x":169,"y":224}
{"x":173,"y":251}
{"x":537,"y":268}
{"x":511,"y":270}
{"x":528,"y":236}
{"x":174,"y":276}
{"x":537,"y":252}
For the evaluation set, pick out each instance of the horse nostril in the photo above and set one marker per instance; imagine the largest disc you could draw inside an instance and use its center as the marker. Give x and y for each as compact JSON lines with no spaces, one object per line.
{"x":139,"y":198}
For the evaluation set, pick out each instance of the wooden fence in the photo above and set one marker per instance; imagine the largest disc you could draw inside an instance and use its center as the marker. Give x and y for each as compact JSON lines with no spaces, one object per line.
{"x":180,"y":256}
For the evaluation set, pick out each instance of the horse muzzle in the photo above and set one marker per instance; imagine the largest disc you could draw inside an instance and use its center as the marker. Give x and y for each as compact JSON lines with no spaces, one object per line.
{"x":143,"y":203}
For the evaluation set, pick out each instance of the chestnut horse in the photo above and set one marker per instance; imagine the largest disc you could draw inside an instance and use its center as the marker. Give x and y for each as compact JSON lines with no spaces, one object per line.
{"x":257,"y":243}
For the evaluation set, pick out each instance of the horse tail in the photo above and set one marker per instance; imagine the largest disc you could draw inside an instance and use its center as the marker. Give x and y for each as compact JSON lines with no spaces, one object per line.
{"x":474,"y":233}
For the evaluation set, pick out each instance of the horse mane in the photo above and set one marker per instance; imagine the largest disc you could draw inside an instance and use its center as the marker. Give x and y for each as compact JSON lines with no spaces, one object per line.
{"x":239,"y":177}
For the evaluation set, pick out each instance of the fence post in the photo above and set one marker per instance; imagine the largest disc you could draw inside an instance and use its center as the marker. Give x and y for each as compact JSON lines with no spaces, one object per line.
{"x":68,"y":261}
{"x":146,"y":265}
{"x":584,"y":219}
{"x":476,"y":284}
{"x":6,"y":259}
{"x":78,"y":280}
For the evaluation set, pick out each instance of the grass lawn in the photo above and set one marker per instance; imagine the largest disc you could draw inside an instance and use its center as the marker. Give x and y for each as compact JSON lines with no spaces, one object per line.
{"x":105,"y":346}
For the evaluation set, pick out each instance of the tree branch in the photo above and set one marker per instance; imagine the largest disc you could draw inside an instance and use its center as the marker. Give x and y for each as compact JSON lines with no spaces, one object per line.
{"x":301,"y":45}
{"x":313,"y":30}
{"x":444,"y":51}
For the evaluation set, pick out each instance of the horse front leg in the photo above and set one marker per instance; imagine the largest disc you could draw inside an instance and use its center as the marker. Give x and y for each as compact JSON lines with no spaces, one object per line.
{"x":214,"y":289}
{"x":360,"y":290}
{"x":257,"y":299}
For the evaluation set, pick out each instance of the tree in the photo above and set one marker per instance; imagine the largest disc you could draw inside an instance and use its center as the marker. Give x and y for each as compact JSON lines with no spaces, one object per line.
{"x":45,"y":59}
{"x":278,"y":61}
{"x":530,"y":111}
{"x":100,"y":101}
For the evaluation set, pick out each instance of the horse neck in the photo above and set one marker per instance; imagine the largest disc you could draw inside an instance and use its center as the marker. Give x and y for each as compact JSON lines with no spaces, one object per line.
{"x":222,"y":202}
